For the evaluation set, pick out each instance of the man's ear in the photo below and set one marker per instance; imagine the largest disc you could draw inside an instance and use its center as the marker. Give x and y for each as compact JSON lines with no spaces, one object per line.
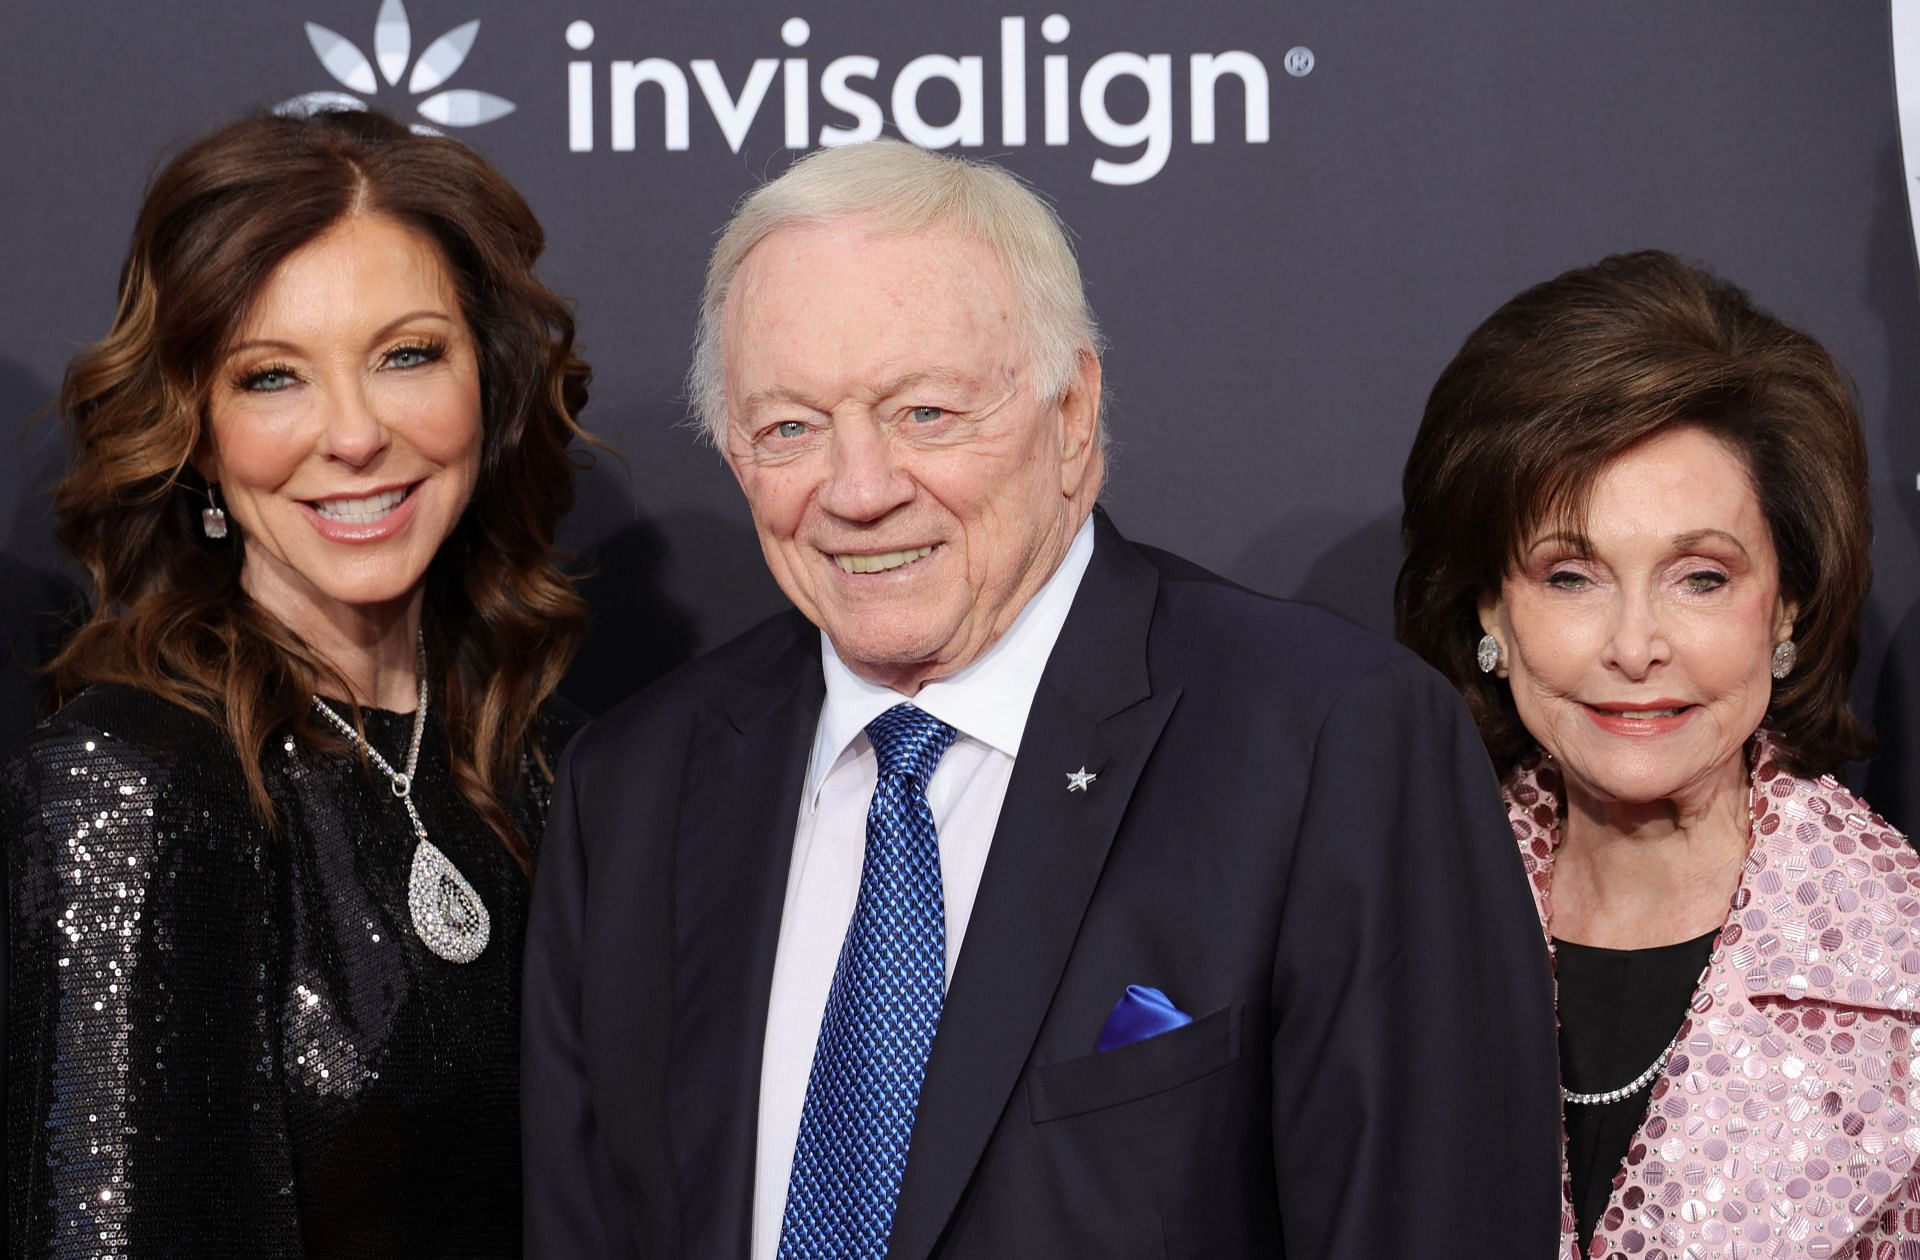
{"x":1079,"y":406}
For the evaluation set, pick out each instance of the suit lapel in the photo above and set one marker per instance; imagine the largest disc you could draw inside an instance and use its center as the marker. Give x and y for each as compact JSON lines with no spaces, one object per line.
{"x":1095,"y":708}
{"x":746,"y":766}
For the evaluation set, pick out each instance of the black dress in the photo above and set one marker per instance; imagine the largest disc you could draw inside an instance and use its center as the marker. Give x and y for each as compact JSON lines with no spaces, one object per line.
{"x":1618,"y":1009}
{"x":226,"y":1041}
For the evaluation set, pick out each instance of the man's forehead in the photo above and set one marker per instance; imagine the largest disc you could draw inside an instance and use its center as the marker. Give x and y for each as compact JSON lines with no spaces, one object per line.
{"x":865,"y":251}
{"x":830,"y":296}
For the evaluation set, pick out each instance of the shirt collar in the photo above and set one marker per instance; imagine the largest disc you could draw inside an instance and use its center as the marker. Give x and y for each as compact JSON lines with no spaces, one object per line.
{"x":987,"y":701}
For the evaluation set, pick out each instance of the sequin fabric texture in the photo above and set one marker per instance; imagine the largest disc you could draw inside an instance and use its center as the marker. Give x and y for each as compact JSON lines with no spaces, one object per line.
{"x":1782,"y":1125}
{"x":226,"y":1042}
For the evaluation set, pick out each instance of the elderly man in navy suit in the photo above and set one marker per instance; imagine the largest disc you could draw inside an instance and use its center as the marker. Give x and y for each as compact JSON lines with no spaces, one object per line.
{"x":1024,"y":892}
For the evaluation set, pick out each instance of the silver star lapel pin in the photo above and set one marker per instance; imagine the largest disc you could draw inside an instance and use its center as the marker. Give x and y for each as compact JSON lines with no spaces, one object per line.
{"x":1078,"y":780}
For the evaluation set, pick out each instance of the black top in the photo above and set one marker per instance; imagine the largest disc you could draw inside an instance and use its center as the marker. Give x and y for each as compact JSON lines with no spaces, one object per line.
{"x":223,"y":1041}
{"x":1618,"y":1010}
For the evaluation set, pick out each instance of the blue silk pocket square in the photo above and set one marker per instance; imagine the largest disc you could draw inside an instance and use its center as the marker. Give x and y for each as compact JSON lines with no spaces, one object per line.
{"x":1141,"y":1012}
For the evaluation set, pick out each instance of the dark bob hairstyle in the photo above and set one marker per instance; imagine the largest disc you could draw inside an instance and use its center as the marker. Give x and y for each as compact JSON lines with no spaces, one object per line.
{"x":501,"y":620}
{"x":1572,"y":373}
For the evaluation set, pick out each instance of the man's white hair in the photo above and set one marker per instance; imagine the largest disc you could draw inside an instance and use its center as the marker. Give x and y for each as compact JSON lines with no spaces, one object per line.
{"x":905,"y":189}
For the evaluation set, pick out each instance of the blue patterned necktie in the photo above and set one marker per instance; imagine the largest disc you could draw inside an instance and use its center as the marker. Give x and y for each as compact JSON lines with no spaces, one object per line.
{"x":881,"y":1013}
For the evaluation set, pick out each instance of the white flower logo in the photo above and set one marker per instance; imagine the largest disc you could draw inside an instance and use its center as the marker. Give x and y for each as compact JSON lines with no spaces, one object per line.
{"x":392,"y":44}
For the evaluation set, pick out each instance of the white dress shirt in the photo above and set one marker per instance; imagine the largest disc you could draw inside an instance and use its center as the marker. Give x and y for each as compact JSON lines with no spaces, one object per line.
{"x":987,"y":703}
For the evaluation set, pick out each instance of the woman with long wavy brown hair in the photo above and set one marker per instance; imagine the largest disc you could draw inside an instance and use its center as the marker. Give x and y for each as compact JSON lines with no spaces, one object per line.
{"x":267,"y":866}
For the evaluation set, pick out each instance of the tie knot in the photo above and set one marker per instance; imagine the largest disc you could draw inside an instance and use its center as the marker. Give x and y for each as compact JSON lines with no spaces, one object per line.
{"x":910,"y":742}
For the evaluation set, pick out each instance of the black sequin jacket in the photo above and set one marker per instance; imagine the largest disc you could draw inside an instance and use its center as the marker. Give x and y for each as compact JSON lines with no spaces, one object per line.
{"x":223,"y":1041}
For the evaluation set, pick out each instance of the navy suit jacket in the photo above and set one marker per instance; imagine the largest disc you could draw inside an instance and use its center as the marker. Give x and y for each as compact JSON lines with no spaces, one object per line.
{"x":1294,"y":833}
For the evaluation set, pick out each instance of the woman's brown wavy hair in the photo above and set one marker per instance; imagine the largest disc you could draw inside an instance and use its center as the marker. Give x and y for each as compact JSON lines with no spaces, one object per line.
{"x":501,"y":621}
{"x":1574,"y":372}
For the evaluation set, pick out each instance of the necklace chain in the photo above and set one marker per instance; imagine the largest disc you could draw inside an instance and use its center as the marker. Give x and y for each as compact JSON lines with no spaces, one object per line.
{"x":448,"y":913}
{"x":401,"y":781}
{"x":1628,"y":1090}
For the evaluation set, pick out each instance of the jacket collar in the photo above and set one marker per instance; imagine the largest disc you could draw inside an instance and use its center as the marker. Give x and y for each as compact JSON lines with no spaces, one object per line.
{"x":1822,"y":912}
{"x":1825,"y":886}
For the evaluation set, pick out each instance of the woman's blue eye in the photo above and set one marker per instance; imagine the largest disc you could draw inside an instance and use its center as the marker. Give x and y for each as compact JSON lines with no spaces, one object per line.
{"x":267,"y":380}
{"x":789,"y":429}
{"x":926,"y":415}
{"x":413,"y":356}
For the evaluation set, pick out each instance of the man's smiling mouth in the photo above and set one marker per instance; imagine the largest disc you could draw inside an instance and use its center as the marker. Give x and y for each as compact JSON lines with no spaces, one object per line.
{"x":882,"y":562}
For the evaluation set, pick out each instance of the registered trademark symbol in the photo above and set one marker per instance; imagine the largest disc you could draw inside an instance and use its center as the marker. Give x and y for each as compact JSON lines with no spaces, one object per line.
{"x":1299,"y":61}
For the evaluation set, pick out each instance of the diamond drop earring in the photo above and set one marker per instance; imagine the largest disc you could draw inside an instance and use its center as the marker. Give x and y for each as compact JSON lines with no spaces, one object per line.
{"x":213,"y":520}
{"x":1784,"y":655}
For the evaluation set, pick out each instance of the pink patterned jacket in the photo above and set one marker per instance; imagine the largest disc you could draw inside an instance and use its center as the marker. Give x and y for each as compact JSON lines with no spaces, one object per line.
{"x":1786,"y":1124}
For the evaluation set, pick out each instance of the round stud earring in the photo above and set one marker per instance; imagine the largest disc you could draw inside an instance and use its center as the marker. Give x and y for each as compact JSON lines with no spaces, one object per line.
{"x":1487,"y":654}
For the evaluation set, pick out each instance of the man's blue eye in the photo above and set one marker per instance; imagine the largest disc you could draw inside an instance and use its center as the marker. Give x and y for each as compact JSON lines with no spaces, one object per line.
{"x":926,"y":415}
{"x":789,"y":429}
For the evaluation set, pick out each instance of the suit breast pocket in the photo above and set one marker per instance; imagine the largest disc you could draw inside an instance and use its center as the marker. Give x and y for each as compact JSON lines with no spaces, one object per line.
{"x":1141,"y":1070}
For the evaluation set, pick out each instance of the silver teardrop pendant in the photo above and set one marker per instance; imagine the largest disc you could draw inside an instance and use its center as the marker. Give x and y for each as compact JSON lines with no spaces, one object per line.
{"x":447,"y":912}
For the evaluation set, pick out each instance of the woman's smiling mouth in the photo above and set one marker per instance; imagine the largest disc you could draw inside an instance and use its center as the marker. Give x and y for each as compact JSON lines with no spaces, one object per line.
{"x":363,"y":518}
{"x":361,"y":511}
{"x":1657,"y":718}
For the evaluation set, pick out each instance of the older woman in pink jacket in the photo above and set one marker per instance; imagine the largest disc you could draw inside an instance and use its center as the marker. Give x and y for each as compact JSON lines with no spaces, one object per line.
{"x":1637,"y":531}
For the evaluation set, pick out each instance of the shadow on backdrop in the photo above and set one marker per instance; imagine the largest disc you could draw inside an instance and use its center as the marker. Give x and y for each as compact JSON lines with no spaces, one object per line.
{"x":1893,"y":776}
{"x":40,"y":604}
{"x":38,"y":609}
{"x":1354,"y":577}
{"x":643,"y":583}
{"x":637,"y":633}
{"x":31,"y":457}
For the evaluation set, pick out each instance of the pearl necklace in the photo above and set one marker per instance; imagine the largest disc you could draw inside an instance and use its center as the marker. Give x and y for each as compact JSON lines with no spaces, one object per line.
{"x":448,"y":915}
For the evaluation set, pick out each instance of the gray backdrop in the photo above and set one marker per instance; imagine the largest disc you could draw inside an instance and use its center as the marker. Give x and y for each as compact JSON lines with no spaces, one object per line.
{"x":1277,"y":306}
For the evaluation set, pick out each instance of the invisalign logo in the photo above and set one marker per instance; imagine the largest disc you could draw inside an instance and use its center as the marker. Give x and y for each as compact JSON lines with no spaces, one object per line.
{"x":392,"y":46}
{"x":850,"y":87}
